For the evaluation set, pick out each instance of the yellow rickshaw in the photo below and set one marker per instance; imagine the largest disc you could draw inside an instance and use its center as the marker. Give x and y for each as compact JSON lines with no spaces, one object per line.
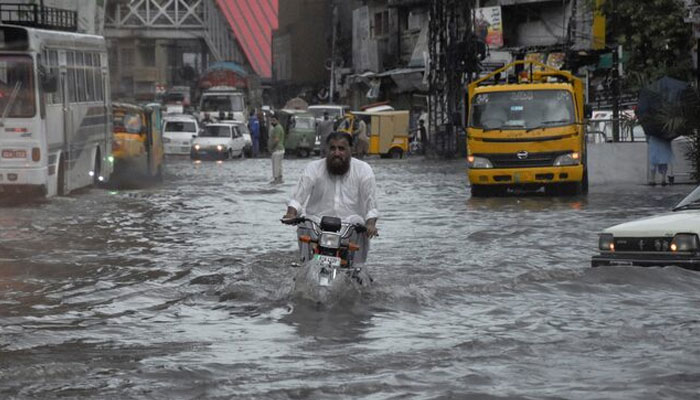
{"x":137,"y":143}
{"x":387,"y":130}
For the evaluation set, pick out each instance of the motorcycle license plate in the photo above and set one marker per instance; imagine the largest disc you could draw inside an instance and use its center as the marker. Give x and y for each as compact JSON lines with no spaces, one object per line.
{"x":323,"y":280}
{"x":328,"y":260}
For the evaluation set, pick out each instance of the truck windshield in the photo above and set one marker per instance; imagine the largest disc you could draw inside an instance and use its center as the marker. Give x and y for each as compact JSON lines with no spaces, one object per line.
{"x":222,"y":102}
{"x":522,"y":109}
{"x":16,"y":87}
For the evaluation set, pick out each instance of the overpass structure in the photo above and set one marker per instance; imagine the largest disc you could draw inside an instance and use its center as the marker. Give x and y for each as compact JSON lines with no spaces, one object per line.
{"x":170,"y":42}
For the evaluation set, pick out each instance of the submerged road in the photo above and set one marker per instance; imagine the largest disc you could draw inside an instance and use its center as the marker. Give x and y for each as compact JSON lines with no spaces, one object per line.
{"x":183,"y":290}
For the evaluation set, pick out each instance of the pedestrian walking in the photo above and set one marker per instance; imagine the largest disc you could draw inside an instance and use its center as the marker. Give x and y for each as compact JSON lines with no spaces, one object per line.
{"x":254,"y":128}
{"x":362,"y":140}
{"x":275,"y":146}
{"x":660,"y":156}
{"x":323,"y":129}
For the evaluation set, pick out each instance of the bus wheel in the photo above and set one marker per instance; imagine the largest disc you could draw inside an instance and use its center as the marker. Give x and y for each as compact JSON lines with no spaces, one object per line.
{"x":61,"y":179}
{"x":396,"y":153}
{"x":97,"y":169}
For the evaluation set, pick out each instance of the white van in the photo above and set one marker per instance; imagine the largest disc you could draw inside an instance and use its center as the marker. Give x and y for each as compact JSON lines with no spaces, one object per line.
{"x":335,"y":111}
{"x":178,"y":132}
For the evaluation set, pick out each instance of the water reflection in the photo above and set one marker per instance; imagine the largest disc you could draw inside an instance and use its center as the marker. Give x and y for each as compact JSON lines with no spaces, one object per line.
{"x":184,"y":289}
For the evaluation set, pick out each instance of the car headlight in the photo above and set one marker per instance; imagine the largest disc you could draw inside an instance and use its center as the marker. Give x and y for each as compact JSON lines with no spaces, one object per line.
{"x":196,"y":147}
{"x":478,"y":162}
{"x":329,"y":240}
{"x":684,"y":242}
{"x":606,"y":242}
{"x":166,"y":140}
{"x":567,"y":159}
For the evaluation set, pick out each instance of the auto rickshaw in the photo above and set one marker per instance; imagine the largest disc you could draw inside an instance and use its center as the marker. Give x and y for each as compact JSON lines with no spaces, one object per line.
{"x":137,"y":143}
{"x":387,"y":131}
{"x":300,"y":129}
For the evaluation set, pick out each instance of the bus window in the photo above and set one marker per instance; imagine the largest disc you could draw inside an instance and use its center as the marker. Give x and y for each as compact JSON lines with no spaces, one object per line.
{"x":16,"y":81}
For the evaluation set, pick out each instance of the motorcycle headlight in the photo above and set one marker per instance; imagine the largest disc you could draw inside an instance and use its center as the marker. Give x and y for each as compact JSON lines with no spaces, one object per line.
{"x":478,"y":162}
{"x":196,"y":147}
{"x":567,"y":159}
{"x":329,"y":240}
{"x":684,"y":242}
{"x":606,"y":242}
{"x":219,"y":147}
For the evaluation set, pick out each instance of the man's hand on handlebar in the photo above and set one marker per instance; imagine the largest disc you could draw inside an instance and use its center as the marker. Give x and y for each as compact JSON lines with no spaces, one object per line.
{"x":371,"y":228}
{"x":290,"y":217}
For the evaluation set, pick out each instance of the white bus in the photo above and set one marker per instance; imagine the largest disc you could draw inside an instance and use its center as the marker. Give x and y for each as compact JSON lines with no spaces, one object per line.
{"x":55,"y":111}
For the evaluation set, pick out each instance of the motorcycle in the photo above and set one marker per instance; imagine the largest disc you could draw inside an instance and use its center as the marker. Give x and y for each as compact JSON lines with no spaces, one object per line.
{"x":328,"y":271}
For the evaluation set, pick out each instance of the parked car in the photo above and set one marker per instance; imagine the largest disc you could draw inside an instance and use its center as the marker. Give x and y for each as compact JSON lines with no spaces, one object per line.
{"x":178,"y":132}
{"x":218,"y":140}
{"x":243,"y":127}
{"x":661,"y":240}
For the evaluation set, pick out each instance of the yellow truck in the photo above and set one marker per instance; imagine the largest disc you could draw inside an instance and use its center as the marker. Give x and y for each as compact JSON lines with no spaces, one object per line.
{"x":526,"y":130}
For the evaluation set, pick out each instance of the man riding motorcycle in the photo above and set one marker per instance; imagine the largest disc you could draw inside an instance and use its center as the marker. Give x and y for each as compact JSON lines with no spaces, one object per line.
{"x":338,"y":186}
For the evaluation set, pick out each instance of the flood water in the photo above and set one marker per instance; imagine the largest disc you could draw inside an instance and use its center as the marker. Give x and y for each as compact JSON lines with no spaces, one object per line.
{"x":183,"y":291}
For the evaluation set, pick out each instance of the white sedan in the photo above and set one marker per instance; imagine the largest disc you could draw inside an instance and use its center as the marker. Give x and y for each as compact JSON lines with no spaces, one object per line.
{"x":220,"y":141}
{"x":666,"y":239}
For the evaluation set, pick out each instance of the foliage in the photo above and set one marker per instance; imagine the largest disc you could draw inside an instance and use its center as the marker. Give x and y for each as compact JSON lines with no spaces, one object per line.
{"x":658,"y":43}
{"x":654,"y":37}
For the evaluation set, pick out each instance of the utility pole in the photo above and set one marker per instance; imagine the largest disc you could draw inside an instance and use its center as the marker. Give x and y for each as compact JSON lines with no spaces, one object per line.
{"x":331,"y":85}
{"x":615,"y":79}
{"x":452,"y":63}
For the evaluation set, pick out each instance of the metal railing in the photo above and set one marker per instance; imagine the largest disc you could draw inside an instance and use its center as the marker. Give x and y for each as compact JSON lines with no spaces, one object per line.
{"x":36,"y":16}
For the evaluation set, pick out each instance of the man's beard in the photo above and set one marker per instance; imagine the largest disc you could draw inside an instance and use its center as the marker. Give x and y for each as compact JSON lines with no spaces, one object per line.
{"x":336,"y":165}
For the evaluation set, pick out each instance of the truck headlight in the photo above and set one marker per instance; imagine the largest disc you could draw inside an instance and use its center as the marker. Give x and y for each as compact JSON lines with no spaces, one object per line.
{"x":606,"y":242}
{"x":478,"y":162}
{"x":567,"y":159}
{"x":684,"y":242}
{"x":329,"y":240}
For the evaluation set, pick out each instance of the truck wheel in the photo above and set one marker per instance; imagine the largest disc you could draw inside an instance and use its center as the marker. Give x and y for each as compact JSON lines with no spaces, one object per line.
{"x":480,"y":191}
{"x":564,"y":189}
{"x":396,"y":153}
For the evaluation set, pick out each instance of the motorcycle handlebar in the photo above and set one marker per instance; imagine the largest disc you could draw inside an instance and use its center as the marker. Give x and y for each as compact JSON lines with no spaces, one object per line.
{"x":359,"y":228}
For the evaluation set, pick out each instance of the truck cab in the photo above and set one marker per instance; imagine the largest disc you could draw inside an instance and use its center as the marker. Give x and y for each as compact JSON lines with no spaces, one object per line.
{"x":222,"y":100}
{"x":527,"y":132}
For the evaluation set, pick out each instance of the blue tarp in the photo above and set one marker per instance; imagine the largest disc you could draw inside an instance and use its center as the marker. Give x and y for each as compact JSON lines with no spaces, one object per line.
{"x":228,"y":65}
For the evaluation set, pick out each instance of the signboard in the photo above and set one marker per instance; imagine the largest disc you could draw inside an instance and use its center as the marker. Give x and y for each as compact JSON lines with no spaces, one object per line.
{"x":488,"y":26}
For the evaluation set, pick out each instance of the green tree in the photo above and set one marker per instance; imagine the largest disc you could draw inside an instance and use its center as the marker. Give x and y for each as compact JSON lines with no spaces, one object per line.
{"x":659,"y":43}
{"x":654,"y":37}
